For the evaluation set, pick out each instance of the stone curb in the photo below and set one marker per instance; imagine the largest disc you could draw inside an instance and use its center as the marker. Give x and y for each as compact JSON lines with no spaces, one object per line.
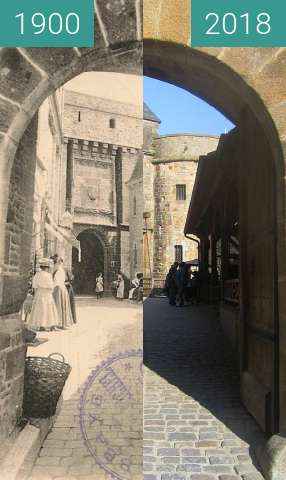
{"x":272,"y":458}
{"x":19,"y":461}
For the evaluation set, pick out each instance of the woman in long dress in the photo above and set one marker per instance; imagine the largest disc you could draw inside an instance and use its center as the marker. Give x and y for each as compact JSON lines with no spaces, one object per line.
{"x":134,"y":286}
{"x":61,"y":296}
{"x":120,"y":287}
{"x":99,"y":288}
{"x":44,"y":315}
{"x":69,"y":286}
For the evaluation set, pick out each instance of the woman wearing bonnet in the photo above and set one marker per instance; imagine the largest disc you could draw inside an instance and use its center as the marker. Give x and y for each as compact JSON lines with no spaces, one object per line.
{"x":44,"y":315}
{"x":61,"y":295}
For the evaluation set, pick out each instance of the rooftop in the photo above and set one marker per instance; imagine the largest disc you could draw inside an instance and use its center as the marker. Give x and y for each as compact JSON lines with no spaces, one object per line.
{"x":149,"y":115}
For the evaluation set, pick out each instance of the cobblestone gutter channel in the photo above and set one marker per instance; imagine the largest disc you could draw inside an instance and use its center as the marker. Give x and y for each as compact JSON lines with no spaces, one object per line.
{"x":195,"y":427}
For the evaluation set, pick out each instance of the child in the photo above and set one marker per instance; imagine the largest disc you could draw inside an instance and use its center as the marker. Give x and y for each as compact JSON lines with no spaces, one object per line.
{"x":120,"y":287}
{"x":99,"y":289}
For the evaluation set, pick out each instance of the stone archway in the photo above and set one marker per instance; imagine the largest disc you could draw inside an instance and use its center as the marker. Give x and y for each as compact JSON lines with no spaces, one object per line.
{"x":230,"y":80}
{"x":93,"y":260}
{"x":206,"y":76}
{"x":249,"y":82}
{"x":100,"y":247}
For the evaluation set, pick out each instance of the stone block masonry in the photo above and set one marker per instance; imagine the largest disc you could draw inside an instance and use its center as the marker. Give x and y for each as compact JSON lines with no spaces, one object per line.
{"x":14,"y":284}
{"x":175,"y":163}
{"x":12,"y":362}
{"x":19,"y":223}
{"x":230,"y":79}
{"x":106,"y":141}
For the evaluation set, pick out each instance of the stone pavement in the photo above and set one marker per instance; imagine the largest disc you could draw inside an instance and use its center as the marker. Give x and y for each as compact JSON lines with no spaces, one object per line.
{"x":114,"y":431}
{"x":195,"y":427}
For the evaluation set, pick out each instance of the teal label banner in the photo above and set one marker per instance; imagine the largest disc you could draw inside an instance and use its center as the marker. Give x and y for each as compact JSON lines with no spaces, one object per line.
{"x":238,"y":23}
{"x":47,"y":23}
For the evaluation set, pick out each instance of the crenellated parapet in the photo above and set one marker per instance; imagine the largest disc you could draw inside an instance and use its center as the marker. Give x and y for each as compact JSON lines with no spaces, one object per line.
{"x":88,"y":150}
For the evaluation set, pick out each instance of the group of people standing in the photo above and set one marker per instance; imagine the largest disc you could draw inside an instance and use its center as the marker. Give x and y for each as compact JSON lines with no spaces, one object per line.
{"x":122,"y":290}
{"x":182,"y":284}
{"x":136,"y":290}
{"x":119,"y":286}
{"x":53,"y":304}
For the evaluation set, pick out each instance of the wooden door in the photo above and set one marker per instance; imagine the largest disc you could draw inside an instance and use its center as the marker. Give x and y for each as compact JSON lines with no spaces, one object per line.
{"x":259,"y":318}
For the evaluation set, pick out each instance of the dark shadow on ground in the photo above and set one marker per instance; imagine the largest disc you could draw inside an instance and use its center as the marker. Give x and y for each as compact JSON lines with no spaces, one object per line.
{"x":186,"y":346}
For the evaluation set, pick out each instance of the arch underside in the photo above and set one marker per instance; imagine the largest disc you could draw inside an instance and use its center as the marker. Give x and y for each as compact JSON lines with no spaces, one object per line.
{"x":92,"y":261}
{"x":199,"y":72}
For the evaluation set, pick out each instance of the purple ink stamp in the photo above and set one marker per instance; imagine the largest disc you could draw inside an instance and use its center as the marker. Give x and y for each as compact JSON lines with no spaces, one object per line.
{"x":111,"y":415}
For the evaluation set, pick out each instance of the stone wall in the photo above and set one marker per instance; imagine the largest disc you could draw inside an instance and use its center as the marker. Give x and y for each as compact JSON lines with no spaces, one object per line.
{"x":136,"y":202}
{"x":93,"y":197}
{"x":104,"y":157}
{"x":88,"y":117}
{"x":12,"y":355}
{"x":175,"y":163}
{"x":17,"y":266}
{"x":232,"y":80}
{"x":183,"y":147}
{"x":49,"y":215}
{"x":19,"y":222}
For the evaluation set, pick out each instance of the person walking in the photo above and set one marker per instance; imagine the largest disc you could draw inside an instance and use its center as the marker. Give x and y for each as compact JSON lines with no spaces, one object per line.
{"x":120,"y":287}
{"x":61,"y":296}
{"x":169,"y":275}
{"x":181,"y":278}
{"x":134,"y":286}
{"x":44,"y":315}
{"x":196,"y":287}
{"x":99,"y":286}
{"x":69,"y":287}
{"x":172,"y":285}
{"x":140,"y":289}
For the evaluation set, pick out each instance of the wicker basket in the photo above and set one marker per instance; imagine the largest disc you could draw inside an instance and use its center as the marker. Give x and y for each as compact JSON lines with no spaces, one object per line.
{"x":45,"y":378}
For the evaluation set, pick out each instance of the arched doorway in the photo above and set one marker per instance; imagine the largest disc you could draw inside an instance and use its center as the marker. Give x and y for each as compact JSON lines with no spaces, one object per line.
{"x":215,"y":75}
{"x":260,"y":182}
{"x":88,"y":263}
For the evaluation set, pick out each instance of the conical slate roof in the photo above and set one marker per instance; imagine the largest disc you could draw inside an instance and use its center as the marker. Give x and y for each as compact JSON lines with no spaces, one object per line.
{"x":149,"y":115}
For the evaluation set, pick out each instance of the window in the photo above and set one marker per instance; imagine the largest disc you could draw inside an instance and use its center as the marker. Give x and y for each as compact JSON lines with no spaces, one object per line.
{"x":134,"y":206}
{"x":112,"y":123}
{"x":178,"y":253}
{"x":181,"y":192}
{"x":79,"y":116}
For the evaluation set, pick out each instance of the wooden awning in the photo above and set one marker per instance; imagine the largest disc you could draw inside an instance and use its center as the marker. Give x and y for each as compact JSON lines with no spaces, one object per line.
{"x":215,"y":172}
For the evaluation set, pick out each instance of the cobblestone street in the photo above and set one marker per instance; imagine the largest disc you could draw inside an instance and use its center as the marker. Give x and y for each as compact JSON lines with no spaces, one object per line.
{"x":195,"y":427}
{"x":111,"y":432}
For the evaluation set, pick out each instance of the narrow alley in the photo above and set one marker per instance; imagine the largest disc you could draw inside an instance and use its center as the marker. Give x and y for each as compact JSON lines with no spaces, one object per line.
{"x":195,"y":427}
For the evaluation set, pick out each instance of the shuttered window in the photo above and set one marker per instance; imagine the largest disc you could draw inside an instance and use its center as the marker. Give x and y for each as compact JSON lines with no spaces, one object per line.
{"x":181,"y":192}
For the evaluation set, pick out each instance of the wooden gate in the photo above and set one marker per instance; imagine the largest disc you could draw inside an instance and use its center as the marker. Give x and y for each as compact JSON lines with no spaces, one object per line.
{"x":259,"y":299}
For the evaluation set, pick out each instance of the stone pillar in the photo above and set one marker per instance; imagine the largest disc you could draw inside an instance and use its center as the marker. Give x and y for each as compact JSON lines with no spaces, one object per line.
{"x":162,"y":225}
{"x":16,"y":219}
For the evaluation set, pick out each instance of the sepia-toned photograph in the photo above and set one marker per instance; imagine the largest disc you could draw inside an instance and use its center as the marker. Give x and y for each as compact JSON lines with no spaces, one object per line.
{"x":142,"y":243}
{"x":72,"y":259}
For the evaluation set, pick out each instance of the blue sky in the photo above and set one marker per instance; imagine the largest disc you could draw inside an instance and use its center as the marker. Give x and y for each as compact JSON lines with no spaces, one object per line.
{"x":181,"y":112}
